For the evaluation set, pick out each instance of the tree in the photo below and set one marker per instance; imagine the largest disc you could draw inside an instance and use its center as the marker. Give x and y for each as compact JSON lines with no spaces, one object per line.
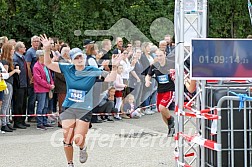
{"x":21,"y":19}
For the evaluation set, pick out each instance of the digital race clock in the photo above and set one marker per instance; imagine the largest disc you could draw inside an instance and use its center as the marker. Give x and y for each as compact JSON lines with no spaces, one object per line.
{"x":221,"y":59}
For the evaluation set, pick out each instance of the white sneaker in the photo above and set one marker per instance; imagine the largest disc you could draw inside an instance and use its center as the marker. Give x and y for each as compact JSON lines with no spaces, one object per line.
{"x":118,"y":117}
{"x":142,"y":114}
{"x":83,"y":155}
{"x":136,"y":114}
{"x":154,"y":110}
{"x":148,"y":112}
{"x":70,"y":165}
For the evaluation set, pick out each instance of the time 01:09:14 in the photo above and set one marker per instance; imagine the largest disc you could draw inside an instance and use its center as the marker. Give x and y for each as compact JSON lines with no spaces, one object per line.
{"x":222,"y":59}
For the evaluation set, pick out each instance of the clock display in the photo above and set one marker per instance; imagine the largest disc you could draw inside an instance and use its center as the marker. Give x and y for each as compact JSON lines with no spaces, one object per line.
{"x":221,"y":59}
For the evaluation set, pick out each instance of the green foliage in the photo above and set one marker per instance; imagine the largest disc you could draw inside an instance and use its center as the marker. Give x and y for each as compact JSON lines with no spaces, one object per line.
{"x":21,"y":19}
{"x":229,"y":19}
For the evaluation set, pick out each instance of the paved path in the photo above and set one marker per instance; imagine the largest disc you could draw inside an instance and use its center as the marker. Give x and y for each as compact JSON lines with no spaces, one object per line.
{"x":128,"y":143}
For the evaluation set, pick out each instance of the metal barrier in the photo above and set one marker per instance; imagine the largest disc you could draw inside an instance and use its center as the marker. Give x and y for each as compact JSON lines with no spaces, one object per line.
{"x":236,"y":150}
{"x":234,"y":130}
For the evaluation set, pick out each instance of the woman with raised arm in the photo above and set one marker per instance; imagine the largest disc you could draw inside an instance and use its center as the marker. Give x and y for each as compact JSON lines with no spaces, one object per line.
{"x":76,"y":114}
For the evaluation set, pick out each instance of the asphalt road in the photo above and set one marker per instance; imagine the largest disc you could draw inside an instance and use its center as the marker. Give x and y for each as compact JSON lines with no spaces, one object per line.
{"x":127,"y":143}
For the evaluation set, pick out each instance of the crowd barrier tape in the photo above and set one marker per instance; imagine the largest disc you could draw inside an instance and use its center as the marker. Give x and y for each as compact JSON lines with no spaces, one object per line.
{"x":189,"y":104}
{"x":29,"y":115}
{"x":210,"y":144}
{"x":197,"y":139}
{"x":57,"y":115}
{"x":205,"y":111}
{"x":183,"y":164}
{"x":205,"y":115}
{"x":176,"y":153}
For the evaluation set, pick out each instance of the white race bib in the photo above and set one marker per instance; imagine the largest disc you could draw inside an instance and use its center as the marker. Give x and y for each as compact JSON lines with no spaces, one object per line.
{"x":76,"y":95}
{"x":162,"y":79}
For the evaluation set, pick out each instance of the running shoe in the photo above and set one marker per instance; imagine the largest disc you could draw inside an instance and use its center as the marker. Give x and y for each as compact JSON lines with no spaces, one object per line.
{"x":118,"y":118}
{"x":83,"y":155}
{"x":148,"y":112}
{"x":70,"y":165}
{"x":171,"y":129}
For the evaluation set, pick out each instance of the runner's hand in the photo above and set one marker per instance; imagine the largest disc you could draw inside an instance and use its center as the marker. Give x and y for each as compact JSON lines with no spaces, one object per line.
{"x":46,"y":43}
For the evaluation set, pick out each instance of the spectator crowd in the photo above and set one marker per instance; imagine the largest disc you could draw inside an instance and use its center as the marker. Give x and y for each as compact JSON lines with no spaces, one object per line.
{"x":34,"y":89}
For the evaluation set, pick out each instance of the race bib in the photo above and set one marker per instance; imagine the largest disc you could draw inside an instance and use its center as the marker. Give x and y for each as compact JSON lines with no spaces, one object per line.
{"x":76,"y":95}
{"x":162,"y":79}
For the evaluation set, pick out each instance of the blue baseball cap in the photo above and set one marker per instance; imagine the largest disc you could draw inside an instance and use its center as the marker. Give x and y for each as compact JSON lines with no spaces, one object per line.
{"x":75,"y":52}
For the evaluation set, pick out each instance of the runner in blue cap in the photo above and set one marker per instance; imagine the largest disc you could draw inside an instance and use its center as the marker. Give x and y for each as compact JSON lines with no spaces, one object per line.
{"x":77,"y":111}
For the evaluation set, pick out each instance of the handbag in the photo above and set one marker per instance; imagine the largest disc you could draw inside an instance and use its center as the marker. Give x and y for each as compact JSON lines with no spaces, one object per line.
{"x":3,"y":85}
{"x":50,"y":94}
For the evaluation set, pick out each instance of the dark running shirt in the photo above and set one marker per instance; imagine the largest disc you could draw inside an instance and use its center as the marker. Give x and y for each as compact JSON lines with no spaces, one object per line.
{"x":162,"y":76}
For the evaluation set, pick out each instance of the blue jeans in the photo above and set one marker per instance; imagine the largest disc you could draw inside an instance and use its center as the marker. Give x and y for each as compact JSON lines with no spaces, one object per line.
{"x":42,"y":108}
{"x":50,"y":105}
{"x":31,"y":100}
{"x":6,"y":105}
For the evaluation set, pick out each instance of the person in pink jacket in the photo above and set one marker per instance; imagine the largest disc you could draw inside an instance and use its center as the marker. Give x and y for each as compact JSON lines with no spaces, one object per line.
{"x":43,"y":83}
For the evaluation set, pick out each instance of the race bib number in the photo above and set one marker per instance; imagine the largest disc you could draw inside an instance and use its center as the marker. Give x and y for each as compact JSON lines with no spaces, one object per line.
{"x":162,"y":79}
{"x":77,"y":95}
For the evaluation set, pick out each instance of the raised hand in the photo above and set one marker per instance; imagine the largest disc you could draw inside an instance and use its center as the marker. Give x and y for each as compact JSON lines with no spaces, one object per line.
{"x":116,"y":58}
{"x":105,"y":63}
{"x":133,"y":62}
{"x":46,"y":43}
